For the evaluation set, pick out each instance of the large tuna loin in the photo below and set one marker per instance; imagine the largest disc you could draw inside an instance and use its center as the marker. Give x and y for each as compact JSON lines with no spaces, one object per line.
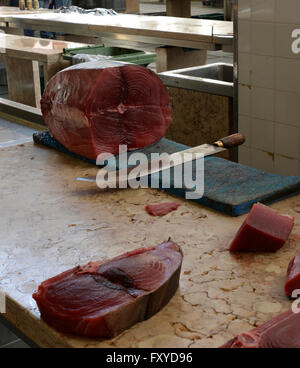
{"x":92,"y":108}
{"x":283,"y":331}
{"x":104,"y":298}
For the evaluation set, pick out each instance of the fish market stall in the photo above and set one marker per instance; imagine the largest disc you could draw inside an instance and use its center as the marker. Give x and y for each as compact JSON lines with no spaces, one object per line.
{"x":127,"y":219}
{"x":196,"y":34}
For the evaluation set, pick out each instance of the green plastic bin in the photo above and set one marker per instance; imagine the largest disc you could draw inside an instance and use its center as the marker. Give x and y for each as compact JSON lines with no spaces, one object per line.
{"x":115,"y":53}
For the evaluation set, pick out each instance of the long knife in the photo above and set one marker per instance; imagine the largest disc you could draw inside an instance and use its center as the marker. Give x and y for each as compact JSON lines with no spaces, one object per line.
{"x":174,"y":159}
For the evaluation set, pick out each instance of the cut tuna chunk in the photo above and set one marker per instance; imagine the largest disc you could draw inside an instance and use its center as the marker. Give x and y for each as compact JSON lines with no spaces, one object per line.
{"x":293,"y":277}
{"x":264,"y":230}
{"x":283,"y":331}
{"x":162,"y":209}
{"x":102,"y":299}
{"x":92,"y":108}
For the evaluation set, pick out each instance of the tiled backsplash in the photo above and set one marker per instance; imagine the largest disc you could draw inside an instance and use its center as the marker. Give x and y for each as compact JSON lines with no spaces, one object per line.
{"x":269,"y":85}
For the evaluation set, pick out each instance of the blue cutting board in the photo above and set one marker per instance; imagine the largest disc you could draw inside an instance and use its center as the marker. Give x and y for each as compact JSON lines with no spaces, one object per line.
{"x":229,"y":187}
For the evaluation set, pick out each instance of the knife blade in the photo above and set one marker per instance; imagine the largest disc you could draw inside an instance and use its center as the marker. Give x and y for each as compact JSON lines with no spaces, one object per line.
{"x":121,"y":177}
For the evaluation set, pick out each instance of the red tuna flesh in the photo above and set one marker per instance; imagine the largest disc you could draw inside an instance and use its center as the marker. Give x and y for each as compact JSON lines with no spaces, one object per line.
{"x":283,"y":331}
{"x":264,"y":230}
{"x":161,"y":209}
{"x":102,"y":299}
{"x":92,"y":109}
{"x":293,"y":277}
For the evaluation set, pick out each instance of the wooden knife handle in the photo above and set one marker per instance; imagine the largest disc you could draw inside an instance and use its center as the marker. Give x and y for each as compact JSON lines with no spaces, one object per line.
{"x":231,"y":141}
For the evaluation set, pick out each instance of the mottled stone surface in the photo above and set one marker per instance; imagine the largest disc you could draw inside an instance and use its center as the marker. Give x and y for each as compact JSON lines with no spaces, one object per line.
{"x":50,"y":223}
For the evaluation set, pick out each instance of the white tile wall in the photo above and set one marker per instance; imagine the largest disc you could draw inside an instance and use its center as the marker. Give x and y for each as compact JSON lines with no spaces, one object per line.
{"x":245,"y":69}
{"x":244,"y":100}
{"x":262,"y":160}
{"x":287,"y":11}
{"x":262,"y":103}
{"x":245,"y":155}
{"x":262,"y":134}
{"x":287,"y":140}
{"x":262,"y":71}
{"x":287,"y":108}
{"x":263,"y":10}
{"x":262,"y":38}
{"x":245,"y":128}
{"x":244,"y":36}
{"x":245,"y":10}
{"x":287,"y":75}
{"x":269,"y":85}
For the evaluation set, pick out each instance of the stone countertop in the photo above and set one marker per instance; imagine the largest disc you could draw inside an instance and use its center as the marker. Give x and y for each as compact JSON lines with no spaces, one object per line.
{"x":50,"y":222}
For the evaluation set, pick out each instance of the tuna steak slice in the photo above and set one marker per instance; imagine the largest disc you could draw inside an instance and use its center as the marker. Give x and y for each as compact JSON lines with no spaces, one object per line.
{"x":92,"y":108}
{"x":283,"y":331}
{"x":161,"y":209}
{"x":293,"y":277}
{"x":102,"y":299}
{"x":264,"y":230}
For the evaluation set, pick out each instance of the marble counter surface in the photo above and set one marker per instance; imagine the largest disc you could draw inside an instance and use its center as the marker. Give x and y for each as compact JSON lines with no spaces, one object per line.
{"x":50,"y":223}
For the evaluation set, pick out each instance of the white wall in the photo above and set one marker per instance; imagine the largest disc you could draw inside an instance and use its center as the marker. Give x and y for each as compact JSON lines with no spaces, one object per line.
{"x":269,"y":85}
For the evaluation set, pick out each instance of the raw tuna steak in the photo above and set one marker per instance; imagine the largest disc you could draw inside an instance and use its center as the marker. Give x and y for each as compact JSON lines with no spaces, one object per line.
{"x":283,"y":331}
{"x":101,"y":299}
{"x":264,"y":230}
{"x":162,"y":209}
{"x":293,"y":277}
{"x":92,"y":108}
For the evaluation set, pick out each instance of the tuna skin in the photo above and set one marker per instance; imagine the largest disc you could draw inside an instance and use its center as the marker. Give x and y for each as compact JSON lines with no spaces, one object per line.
{"x":102,"y":299}
{"x":92,"y":108}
